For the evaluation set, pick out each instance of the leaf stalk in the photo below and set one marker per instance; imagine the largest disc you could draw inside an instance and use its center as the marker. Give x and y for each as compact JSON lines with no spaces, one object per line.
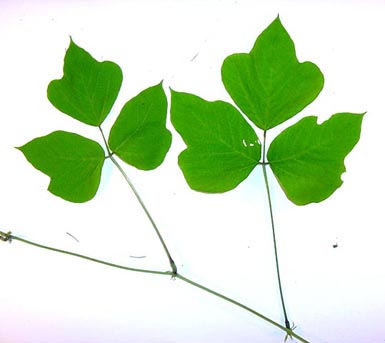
{"x":142,"y":204}
{"x":287,"y":323}
{"x":171,"y":261}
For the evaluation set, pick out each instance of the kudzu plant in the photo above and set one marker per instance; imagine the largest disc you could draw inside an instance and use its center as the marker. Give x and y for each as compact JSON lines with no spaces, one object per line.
{"x":269,"y":86}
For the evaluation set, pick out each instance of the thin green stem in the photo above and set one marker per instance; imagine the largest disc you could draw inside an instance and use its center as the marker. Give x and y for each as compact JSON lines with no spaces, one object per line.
{"x":146,"y":211}
{"x":9,"y":237}
{"x":12,"y":237}
{"x":287,"y":323}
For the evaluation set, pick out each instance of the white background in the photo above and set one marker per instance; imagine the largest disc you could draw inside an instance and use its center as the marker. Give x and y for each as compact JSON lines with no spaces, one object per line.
{"x":223,"y":241}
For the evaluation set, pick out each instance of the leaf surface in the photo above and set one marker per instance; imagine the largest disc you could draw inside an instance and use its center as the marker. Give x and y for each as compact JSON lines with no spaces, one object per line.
{"x":269,"y":84}
{"x":308,"y":158}
{"x":139,"y":135}
{"x":88,"y":88}
{"x":222,"y":148}
{"x":73,"y":162}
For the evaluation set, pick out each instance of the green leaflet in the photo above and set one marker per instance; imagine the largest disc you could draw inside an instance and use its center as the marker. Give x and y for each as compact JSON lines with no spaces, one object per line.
{"x":88,"y":88}
{"x":139,"y":135}
{"x":269,"y":84}
{"x":308,"y":159}
{"x":73,"y":163}
{"x":222,"y":148}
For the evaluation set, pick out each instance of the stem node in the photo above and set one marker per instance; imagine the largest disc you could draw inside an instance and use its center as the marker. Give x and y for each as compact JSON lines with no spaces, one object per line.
{"x":6,"y":236}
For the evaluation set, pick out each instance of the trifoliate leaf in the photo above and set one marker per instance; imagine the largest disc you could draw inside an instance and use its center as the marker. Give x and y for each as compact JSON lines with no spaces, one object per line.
{"x":269,"y":84}
{"x":308,"y":158}
{"x":222,"y":148}
{"x":73,"y":162}
{"x":139,"y":135}
{"x":88,"y":88}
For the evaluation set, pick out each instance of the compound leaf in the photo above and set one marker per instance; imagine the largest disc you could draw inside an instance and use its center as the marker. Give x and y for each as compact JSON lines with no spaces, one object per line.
{"x":139,"y":135}
{"x":73,"y":162}
{"x":308,"y":158}
{"x":222,"y":148}
{"x":269,"y":84}
{"x":88,"y":88}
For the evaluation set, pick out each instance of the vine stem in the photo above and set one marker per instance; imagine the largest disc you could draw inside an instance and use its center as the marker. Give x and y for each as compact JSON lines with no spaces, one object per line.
{"x":142,"y":204}
{"x":9,"y":237}
{"x":287,"y":323}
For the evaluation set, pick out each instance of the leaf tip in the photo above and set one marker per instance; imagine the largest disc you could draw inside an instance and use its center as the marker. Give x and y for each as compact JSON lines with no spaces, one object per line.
{"x":173,"y":91}
{"x":72,"y":43}
{"x":277,"y":20}
{"x":21,"y":148}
